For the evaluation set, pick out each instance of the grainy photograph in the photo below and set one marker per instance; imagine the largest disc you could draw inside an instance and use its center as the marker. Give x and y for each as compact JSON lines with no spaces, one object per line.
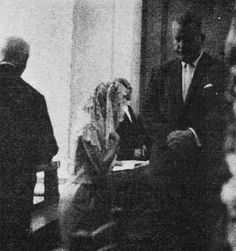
{"x":117,"y":125}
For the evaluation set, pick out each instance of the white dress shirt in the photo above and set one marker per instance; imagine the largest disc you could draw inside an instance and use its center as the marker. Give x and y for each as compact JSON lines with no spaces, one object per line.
{"x":187,"y":76}
{"x":126,"y":110}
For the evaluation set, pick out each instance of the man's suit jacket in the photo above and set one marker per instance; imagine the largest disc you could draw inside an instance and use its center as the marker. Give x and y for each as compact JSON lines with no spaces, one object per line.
{"x":204,"y":110}
{"x":26,"y":134}
{"x":26,"y":139}
{"x":190,"y":186}
{"x":132,"y":135}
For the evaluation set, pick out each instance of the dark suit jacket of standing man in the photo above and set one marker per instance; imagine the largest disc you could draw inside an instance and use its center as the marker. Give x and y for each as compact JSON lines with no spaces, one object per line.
{"x":26,"y":140}
{"x":193,"y":180}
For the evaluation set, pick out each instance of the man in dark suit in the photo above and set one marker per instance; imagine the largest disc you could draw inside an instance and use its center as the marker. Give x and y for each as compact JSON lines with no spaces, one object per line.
{"x":187,"y":169}
{"x":26,"y":140}
{"x":134,"y":142}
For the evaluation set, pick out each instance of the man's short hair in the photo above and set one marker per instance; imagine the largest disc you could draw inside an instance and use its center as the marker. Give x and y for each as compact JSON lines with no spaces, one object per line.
{"x":15,"y":51}
{"x":189,"y":18}
{"x":123,"y":81}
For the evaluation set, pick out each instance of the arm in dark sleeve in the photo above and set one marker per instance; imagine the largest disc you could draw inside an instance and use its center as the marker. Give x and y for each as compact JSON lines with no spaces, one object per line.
{"x":213,"y":145}
{"x":211,"y":129}
{"x":47,"y":146}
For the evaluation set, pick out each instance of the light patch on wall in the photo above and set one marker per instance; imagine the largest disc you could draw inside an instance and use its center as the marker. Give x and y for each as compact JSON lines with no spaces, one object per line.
{"x":106,"y":45}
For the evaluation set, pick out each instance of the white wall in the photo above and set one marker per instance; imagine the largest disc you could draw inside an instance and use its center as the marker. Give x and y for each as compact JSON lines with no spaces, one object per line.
{"x":127,"y":44}
{"x":75,"y":44}
{"x":47,"y":26}
{"x":106,"y":44}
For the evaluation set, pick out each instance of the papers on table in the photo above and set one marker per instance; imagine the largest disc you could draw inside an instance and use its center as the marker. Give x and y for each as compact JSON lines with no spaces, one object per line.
{"x":130,"y":165}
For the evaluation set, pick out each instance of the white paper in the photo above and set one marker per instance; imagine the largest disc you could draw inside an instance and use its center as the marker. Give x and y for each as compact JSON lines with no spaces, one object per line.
{"x":130,"y":164}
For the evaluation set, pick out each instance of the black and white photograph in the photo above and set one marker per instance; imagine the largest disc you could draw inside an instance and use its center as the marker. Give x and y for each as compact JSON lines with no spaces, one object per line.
{"x":117,"y":125}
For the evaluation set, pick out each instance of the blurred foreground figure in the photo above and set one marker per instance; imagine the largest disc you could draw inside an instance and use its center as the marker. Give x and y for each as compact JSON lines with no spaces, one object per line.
{"x":228,"y":194}
{"x":26,"y":140}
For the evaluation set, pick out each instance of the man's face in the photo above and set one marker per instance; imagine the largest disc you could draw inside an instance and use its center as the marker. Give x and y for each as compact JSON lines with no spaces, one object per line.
{"x":187,"y":41}
{"x":129,"y":92}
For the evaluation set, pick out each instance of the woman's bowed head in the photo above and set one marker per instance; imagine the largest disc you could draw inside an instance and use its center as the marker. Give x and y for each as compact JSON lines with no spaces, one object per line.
{"x":105,"y":109}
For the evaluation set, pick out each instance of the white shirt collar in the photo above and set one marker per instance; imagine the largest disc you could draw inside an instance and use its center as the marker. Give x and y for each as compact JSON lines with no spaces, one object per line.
{"x":126,"y":110}
{"x":7,"y":63}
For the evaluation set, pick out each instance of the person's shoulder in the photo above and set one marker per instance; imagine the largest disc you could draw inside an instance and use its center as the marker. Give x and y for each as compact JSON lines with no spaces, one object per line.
{"x":29,"y":90}
{"x":216,"y":70}
{"x":214,"y":62}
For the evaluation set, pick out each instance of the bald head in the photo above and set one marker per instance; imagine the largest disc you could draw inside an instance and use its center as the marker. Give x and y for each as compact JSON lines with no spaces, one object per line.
{"x":14,"y":51}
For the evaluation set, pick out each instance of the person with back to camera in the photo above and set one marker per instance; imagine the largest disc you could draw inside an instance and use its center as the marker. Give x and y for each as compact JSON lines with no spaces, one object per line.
{"x":89,"y":205}
{"x":188,"y":102}
{"x":134,"y":142}
{"x":26,"y":140}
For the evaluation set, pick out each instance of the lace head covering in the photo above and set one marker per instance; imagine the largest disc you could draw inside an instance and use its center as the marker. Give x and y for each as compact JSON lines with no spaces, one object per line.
{"x":115,"y":107}
{"x":105,"y":109}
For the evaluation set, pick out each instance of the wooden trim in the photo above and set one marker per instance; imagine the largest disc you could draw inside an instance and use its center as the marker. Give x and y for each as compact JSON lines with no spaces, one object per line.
{"x":51,"y":186}
{"x":155,"y":16}
{"x":164,"y":27}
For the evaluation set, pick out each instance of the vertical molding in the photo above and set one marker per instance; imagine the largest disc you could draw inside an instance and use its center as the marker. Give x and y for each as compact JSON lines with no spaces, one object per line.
{"x":143,"y":59}
{"x":136,"y":54}
{"x":127,"y":44}
{"x":113,"y":38}
{"x":164,"y":27}
{"x":154,"y":40}
{"x":71,"y":87}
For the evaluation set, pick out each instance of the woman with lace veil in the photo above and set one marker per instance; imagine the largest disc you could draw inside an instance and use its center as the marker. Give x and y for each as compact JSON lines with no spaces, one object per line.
{"x":89,"y":205}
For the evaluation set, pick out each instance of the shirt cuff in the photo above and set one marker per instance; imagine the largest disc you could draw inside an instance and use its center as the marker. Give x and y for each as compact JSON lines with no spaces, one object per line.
{"x":195,"y":136}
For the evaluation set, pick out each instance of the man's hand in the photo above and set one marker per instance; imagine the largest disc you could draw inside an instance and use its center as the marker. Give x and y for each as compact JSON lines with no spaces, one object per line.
{"x":140,"y":152}
{"x":181,"y":142}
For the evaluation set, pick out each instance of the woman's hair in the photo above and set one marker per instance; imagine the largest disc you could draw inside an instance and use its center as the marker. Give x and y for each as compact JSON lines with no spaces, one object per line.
{"x":111,"y":92}
{"x":105,"y":108}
